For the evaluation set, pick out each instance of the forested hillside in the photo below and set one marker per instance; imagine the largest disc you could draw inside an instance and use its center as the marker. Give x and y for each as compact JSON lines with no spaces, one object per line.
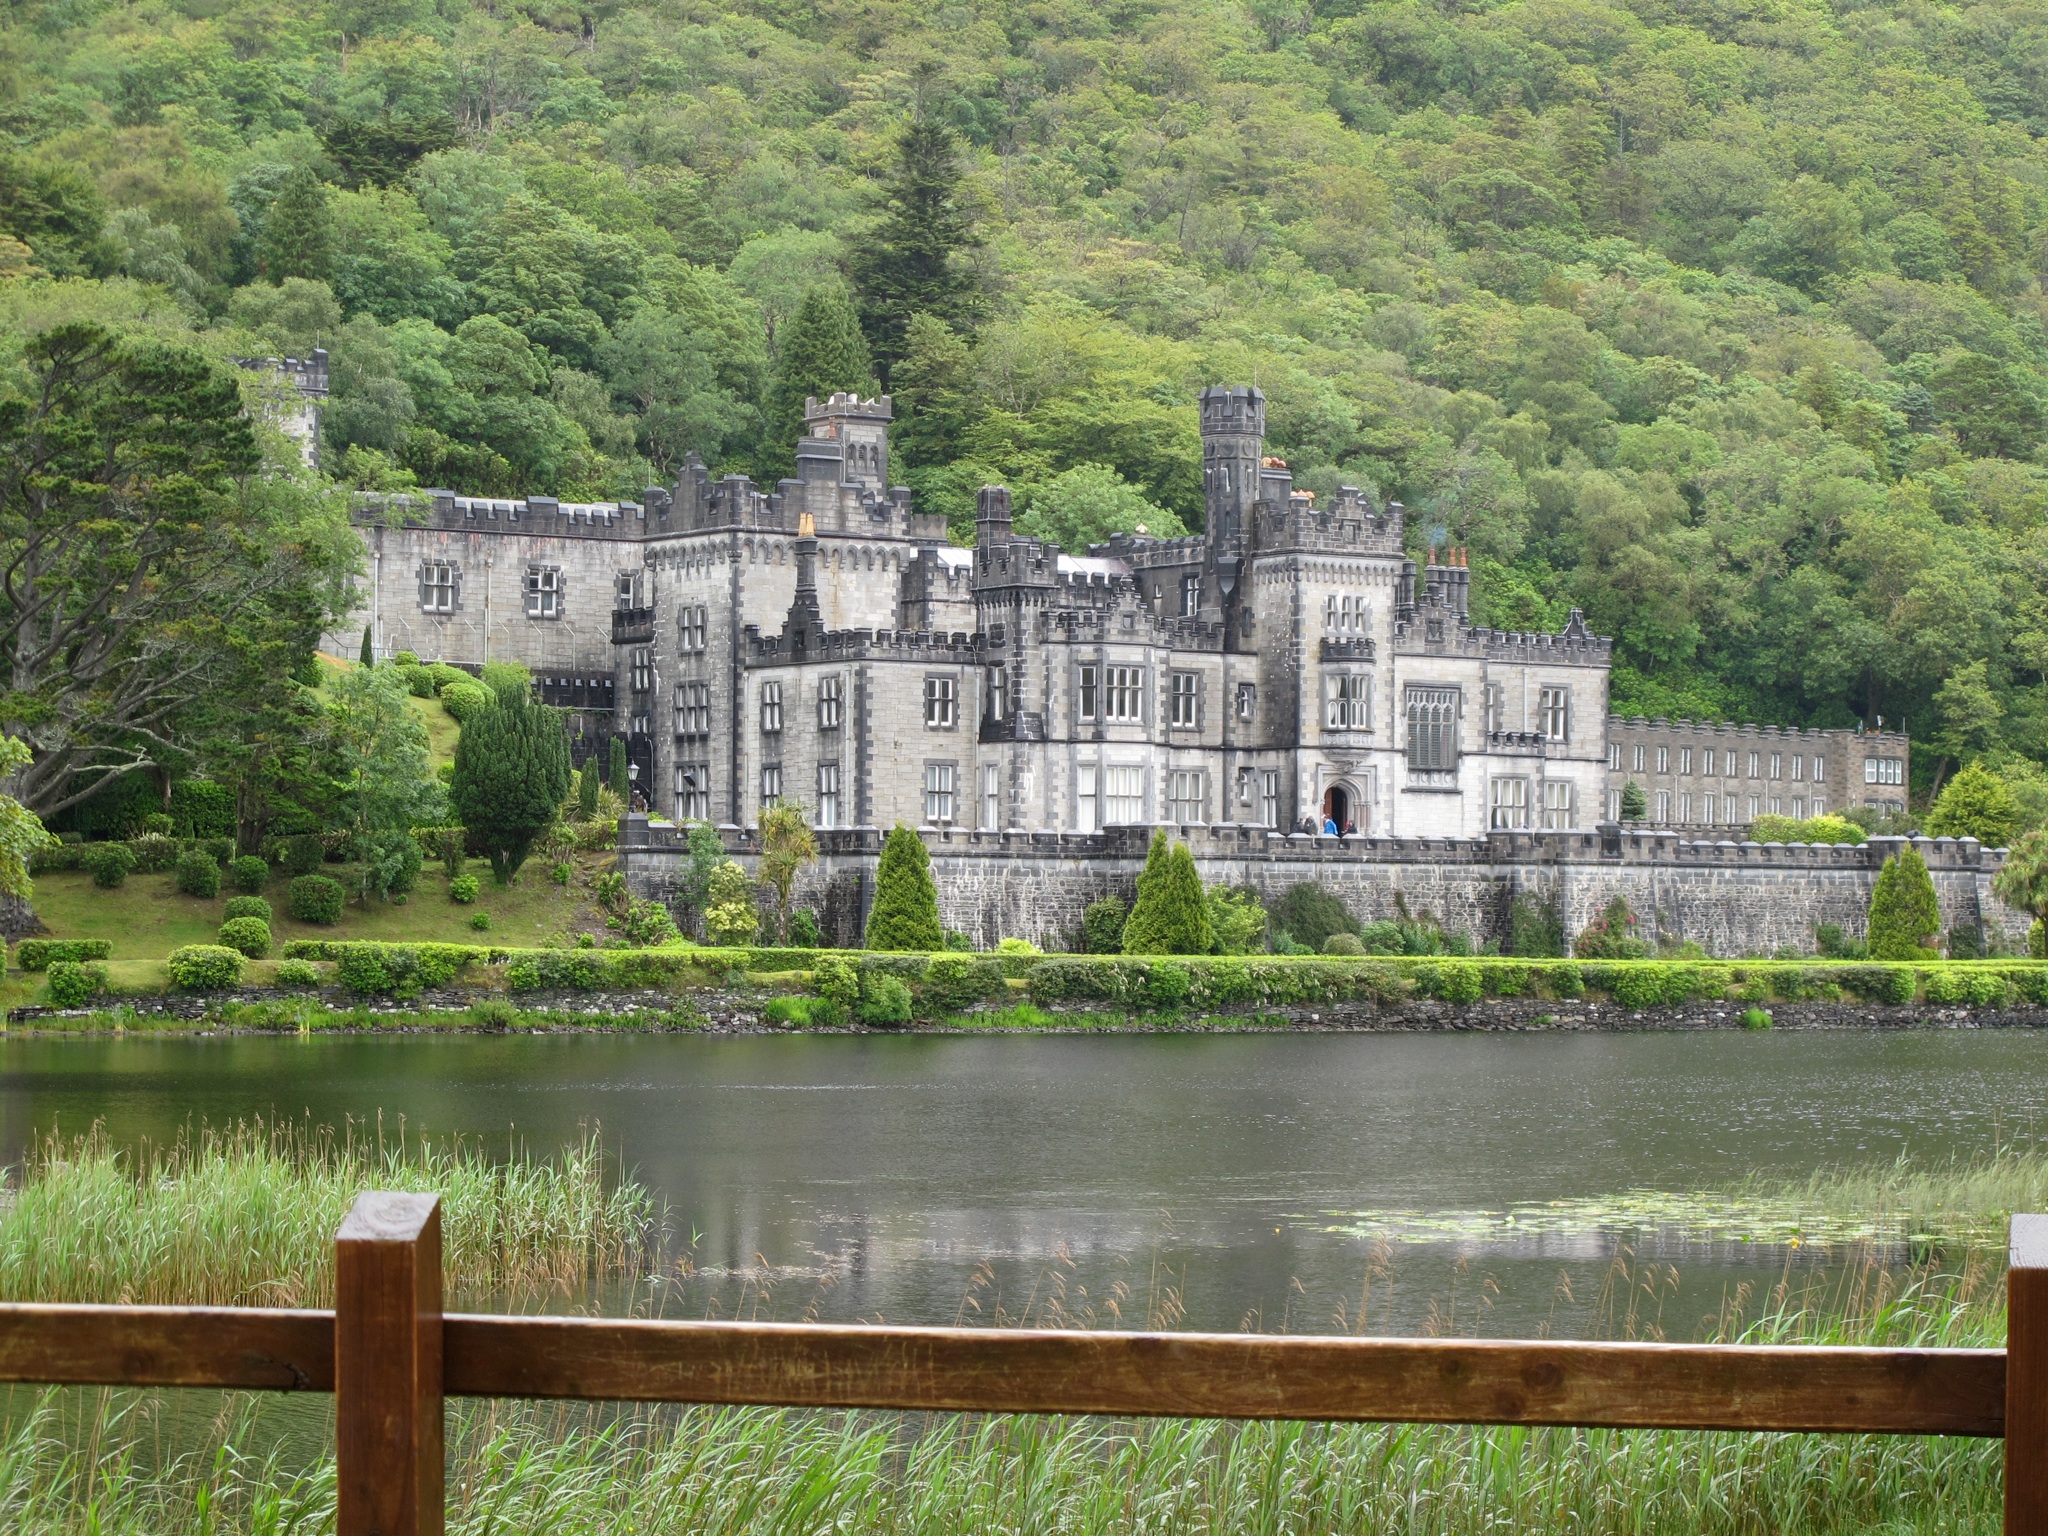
{"x":1721,"y":319}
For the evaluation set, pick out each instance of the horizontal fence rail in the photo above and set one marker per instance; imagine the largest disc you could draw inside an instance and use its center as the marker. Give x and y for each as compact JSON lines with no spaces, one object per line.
{"x":391,"y":1356}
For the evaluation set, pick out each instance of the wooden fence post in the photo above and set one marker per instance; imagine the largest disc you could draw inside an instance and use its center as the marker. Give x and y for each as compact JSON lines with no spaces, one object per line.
{"x":387,"y":1367}
{"x":2026,"y":1379}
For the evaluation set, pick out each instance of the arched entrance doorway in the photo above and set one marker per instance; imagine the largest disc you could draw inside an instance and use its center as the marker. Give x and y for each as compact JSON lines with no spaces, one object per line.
{"x":1339,"y":806}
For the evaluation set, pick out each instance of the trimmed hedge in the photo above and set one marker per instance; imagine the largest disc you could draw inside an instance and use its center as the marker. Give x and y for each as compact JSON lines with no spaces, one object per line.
{"x":246,"y":935}
{"x":198,"y":874}
{"x":205,"y":967}
{"x":246,"y":906}
{"x":41,"y":954}
{"x":317,"y":899}
{"x":74,"y":983}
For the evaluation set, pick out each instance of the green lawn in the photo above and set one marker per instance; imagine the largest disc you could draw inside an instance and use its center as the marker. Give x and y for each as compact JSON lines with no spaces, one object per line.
{"x":147,"y":917}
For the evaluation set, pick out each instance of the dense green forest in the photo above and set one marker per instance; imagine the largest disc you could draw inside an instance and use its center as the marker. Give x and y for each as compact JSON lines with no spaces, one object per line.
{"x":1721,"y":319}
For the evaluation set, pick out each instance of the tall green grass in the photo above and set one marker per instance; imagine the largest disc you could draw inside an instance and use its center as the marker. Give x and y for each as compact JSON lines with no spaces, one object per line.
{"x":1964,"y":1196}
{"x":245,"y":1216}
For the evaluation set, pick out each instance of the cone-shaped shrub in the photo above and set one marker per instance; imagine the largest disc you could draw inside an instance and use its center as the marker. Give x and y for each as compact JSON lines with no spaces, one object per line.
{"x":1171,"y":918}
{"x":1903,"y":911}
{"x":906,"y":910}
{"x":511,"y":772}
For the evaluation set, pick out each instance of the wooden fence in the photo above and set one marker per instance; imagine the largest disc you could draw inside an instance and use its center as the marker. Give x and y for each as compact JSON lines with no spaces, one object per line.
{"x":390,"y":1355}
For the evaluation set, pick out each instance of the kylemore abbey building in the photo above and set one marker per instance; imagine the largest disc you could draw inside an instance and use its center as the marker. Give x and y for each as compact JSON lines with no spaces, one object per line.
{"x":1291,"y":667}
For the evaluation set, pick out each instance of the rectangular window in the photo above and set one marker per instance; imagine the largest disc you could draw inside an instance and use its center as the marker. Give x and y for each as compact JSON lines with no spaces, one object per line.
{"x":1777,"y":806}
{"x":991,"y":797}
{"x":692,"y":628}
{"x":1247,"y":700}
{"x":693,"y":709}
{"x":543,"y":591}
{"x":1820,"y":806}
{"x":1884,"y":770}
{"x":1123,"y":693}
{"x":1798,"y":768}
{"x":1685,"y":759}
{"x":1184,"y":796}
{"x":1663,"y":759}
{"x":640,"y":725}
{"x":938,"y":792}
{"x":1663,"y":807}
{"x":1820,"y":770}
{"x":1349,"y":705}
{"x":1510,"y":808}
{"x":771,"y":784}
{"x":940,"y":702}
{"x":439,"y":582}
{"x":831,"y":702}
{"x":1639,"y":760}
{"x":1124,"y":796}
{"x":1614,"y":756}
{"x":998,"y":693}
{"x":625,"y":589}
{"x":1684,"y":808}
{"x":1777,"y":765}
{"x":1087,"y":810}
{"x":1799,"y":808}
{"x":1733,"y":807}
{"x":693,"y":792}
{"x":1614,"y":805}
{"x":1190,"y":596}
{"x":1756,"y":762}
{"x":1269,"y":796}
{"x":1554,"y":709}
{"x":1187,"y":698}
{"x":643,"y":669}
{"x":1557,"y":805}
{"x":1496,"y":706}
{"x":771,"y":707}
{"x":1707,"y":762}
{"x":1086,"y":705}
{"x":1432,"y":729}
{"x":828,"y":794}
{"x":1756,"y":807}
{"x":1707,"y":805}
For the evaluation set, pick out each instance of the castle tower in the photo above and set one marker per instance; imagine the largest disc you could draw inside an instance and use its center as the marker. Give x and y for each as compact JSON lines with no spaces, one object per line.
{"x":1233,"y":442}
{"x":862,"y":429}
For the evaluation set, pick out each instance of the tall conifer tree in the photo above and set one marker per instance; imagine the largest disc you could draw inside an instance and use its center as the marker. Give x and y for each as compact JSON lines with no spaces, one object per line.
{"x":511,"y":772}
{"x":822,"y":351}
{"x":910,"y":264}
{"x":906,"y":910}
{"x":296,"y":239}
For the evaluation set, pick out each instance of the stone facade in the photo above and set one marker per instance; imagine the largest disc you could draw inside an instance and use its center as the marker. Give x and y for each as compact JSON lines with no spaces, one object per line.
{"x":1733,"y":899}
{"x":1700,"y":774}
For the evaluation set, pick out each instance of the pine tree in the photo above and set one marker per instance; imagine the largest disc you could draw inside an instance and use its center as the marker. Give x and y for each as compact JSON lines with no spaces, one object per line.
{"x":1904,"y":913}
{"x":296,"y":240}
{"x":906,"y":910}
{"x":909,"y":264}
{"x":1171,"y":917}
{"x":1635,"y":805}
{"x":822,"y":351}
{"x":369,"y":656}
{"x":1975,"y":803}
{"x":511,"y":772}
{"x":587,"y":785}
{"x":622,"y":781}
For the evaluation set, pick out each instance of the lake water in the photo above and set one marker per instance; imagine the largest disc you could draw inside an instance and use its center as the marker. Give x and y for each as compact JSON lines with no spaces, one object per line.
{"x":1469,"y":1183}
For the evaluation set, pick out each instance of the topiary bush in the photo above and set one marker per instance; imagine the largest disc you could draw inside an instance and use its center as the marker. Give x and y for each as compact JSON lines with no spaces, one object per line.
{"x":836,"y":981}
{"x":1904,"y":913}
{"x":466,"y":699}
{"x":109,"y":864}
{"x":249,"y":874}
{"x":1343,"y":944}
{"x":154,"y":852}
{"x":464,"y":889}
{"x":74,"y":983}
{"x":301,"y":855}
{"x":298,"y":975}
{"x":1171,"y":914}
{"x":246,"y":936}
{"x":198,"y":874}
{"x":205,"y":967}
{"x":40,"y":954}
{"x":247,"y":906}
{"x":480,"y":921}
{"x":317,"y":899}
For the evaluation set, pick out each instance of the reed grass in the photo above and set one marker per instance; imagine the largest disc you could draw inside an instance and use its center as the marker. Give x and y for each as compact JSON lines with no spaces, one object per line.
{"x":245,"y":1215}
{"x":1964,"y":1196}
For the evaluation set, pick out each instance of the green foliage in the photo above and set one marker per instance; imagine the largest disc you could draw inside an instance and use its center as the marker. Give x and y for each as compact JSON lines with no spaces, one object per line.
{"x":587,"y":786}
{"x":1611,"y":935}
{"x":464,"y":889}
{"x":448,"y":846}
{"x":480,"y":921}
{"x":154,"y":852}
{"x":910,"y":263}
{"x":1635,"y":805}
{"x":1535,"y":927}
{"x":466,"y":701}
{"x":1102,"y":926}
{"x":1236,"y":918}
{"x":247,"y":906}
{"x":297,"y":240}
{"x":205,"y":967}
{"x":511,"y":772}
{"x":1343,"y":944}
{"x":317,"y":899}
{"x":1812,"y":829}
{"x":198,"y":874}
{"x":803,"y":929}
{"x":1756,"y":1018}
{"x":249,"y":874}
{"x":246,"y":936}
{"x":74,"y":983}
{"x":1309,"y":914}
{"x":820,"y":351}
{"x":621,"y":783}
{"x":729,"y":913}
{"x":301,"y":855}
{"x":1904,"y":914}
{"x":649,"y":923}
{"x":787,"y":846}
{"x":108,"y":863}
{"x":884,"y":1001}
{"x":836,"y":981}
{"x":1171,"y":915}
{"x":905,"y":913}
{"x":41,"y":954}
{"x":1975,"y":802}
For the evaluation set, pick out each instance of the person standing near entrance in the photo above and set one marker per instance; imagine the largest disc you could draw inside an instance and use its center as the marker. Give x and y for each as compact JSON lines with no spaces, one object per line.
{"x":1329,"y":826}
